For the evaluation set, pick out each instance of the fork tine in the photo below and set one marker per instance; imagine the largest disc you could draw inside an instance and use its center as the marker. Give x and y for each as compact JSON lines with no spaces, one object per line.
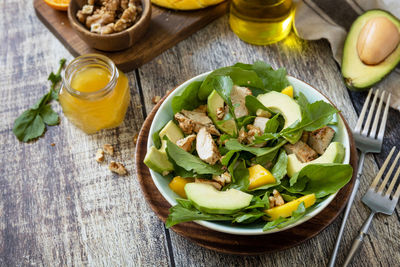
{"x":389,"y":174}
{"x":380,"y":173}
{"x":384,"y":119}
{"x":376,"y":118}
{"x":394,"y":180}
{"x":370,"y":113}
{"x":397,"y":194}
{"x":362,"y":114}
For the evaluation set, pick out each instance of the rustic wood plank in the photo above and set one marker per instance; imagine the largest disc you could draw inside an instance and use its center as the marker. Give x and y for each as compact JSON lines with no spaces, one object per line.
{"x":311,"y":62}
{"x":58,"y":206}
{"x":167,"y":28}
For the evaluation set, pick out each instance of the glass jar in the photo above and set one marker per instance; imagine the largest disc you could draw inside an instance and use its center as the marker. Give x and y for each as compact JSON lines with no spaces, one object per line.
{"x":95,"y":94}
{"x":261,"y":22}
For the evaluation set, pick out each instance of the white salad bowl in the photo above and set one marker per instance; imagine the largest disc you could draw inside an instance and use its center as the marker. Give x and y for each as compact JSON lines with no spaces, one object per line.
{"x":164,"y":114}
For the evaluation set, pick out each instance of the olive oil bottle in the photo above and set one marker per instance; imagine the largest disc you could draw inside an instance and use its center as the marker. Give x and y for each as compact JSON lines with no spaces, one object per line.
{"x":261,"y":22}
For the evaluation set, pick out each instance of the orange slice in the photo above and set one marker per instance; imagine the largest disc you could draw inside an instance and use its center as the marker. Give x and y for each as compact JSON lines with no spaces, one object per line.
{"x":58,"y":4}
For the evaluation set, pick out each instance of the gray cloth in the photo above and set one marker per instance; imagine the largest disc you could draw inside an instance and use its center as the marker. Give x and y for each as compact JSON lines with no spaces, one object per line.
{"x":331,"y":19}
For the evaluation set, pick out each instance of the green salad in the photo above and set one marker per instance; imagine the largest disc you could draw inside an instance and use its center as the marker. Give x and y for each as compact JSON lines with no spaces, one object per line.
{"x":244,"y":148}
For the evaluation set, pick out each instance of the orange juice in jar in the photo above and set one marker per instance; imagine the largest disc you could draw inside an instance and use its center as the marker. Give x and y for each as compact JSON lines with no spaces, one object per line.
{"x":95,"y":94}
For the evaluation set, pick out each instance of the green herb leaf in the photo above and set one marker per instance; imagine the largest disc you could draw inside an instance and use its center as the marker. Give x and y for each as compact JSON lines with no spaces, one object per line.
{"x":272,"y":125}
{"x":233,"y":144}
{"x":241,"y":177}
{"x":280,"y":168}
{"x":190,"y":162}
{"x":248,"y":216}
{"x":252,"y":105}
{"x":29,"y":125}
{"x":320,"y":179}
{"x":184,"y":211}
{"x":49,"y":116}
{"x":188,"y":98}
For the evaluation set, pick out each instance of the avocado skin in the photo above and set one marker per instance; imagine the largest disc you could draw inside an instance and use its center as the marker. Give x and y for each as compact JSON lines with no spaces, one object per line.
{"x":375,"y":80}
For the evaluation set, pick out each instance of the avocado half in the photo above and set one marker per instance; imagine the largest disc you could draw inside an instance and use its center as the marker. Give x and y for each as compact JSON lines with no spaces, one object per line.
{"x":357,"y":75}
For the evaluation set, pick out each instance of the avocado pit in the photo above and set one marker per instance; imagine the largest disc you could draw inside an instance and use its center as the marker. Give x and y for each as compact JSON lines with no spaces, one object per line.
{"x":377,"y":40}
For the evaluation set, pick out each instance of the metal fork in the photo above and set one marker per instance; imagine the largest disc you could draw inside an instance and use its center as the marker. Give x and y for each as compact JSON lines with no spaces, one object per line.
{"x":367,"y":141}
{"x":377,"y":201}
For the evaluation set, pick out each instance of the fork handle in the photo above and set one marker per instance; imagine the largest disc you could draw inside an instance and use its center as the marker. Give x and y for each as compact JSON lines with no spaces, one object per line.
{"x":347,"y":211}
{"x":358,"y":240}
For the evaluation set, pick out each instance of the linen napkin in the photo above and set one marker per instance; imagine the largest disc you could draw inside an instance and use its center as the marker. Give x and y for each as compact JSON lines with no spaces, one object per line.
{"x":331,"y":19}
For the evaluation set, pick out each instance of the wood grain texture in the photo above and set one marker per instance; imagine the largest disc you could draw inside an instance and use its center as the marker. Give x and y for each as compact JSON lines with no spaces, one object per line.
{"x":60,"y":208}
{"x":308,"y":61}
{"x":166,"y":29}
{"x":234,"y":244}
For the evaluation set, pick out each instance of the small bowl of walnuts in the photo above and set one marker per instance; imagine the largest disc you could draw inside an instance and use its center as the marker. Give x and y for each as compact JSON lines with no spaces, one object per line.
{"x":110,"y":25}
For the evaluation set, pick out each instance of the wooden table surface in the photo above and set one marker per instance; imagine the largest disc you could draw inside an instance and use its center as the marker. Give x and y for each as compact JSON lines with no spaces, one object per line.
{"x":59,"y":207}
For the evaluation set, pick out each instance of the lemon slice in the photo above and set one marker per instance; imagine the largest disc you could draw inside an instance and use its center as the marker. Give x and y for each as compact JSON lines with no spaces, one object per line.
{"x":185,"y":4}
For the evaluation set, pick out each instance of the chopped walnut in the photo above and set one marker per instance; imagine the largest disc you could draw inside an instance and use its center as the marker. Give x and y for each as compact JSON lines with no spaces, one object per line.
{"x":87,"y":9}
{"x":278,"y":198}
{"x":117,"y":167}
{"x":271,"y":202}
{"x":217,"y":185}
{"x":222,"y":179}
{"x":156,"y":99}
{"x":220,"y":113}
{"x":100,"y":155}
{"x":109,"y":149}
{"x":253,"y":130}
{"x":109,"y":16}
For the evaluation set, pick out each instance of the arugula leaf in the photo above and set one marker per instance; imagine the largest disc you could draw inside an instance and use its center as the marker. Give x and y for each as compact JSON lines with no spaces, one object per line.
{"x":252,"y":105}
{"x":188,"y":98}
{"x":243,"y":121}
{"x":248,"y":216}
{"x":302,"y":101}
{"x":272,"y":125}
{"x":320,"y":179}
{"x":258,"y":202}
{"x":234,"y":144}
{"x":280,"y":168}
{"x":227,"y":157}
{"x":49,"y":116}
{"x":31,"y":123}
{"x":190,"y":162}
{"x":283,"y":222}
{"x":241,"y":177}
{"x":184,"y":211}
{"x":238,"y":75}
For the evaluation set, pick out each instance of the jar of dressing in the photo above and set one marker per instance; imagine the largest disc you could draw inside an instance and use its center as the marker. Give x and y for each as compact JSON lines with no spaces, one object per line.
{"x":95,"y":94}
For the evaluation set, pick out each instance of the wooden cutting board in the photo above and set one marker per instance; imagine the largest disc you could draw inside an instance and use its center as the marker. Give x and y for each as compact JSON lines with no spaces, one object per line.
{"x":238,"y":244}
{"x":167,"y":28}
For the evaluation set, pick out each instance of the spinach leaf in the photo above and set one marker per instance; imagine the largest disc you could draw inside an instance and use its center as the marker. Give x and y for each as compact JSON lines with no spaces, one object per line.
{"x":190,"y":162}
{"x":234,"y":144}
{"x":238,"y":76}
{"x":241,"y":177}
{"x":188,"y":98}
{"x":248,"y":216}
{"x":283,"y":222}
{"x":258,"y":202}
{"x":184,"y":211}
{"x":228,"y":156}
{"x":252,"y":105}
{"x":243,"y":121}
{"x":275,"y":80}
{"x":31,"y":123}
{"x":320,"y":179}
{"x":272,"y":125}
{"x":280,"y":168}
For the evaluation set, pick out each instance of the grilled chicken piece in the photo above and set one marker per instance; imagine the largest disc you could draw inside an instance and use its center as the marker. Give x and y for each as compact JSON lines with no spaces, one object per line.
{"x":304,"y":136}
{"x":186,"y":143}
{"x":303,"y":152}
{"x":260,"y":123}
{"x":238,"y":95}
{"x":320,"y":139}
{"x":206,"y":147}
{"x":217,"y":185}
{"x":193,"y":121}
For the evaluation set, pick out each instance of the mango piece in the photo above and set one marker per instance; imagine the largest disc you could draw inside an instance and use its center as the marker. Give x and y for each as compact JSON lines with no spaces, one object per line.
{"x":178,"y":185}
{"x":287,"y":209}
{"x":288,"y":91}
{"x":259,"y":176}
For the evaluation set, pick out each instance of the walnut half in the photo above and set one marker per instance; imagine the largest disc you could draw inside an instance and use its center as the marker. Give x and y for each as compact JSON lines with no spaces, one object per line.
{"x":118,"y":168}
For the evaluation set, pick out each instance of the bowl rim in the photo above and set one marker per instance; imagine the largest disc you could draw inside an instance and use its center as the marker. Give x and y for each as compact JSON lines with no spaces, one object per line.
{"x":80,"y":27}
{"x":238,"y":231}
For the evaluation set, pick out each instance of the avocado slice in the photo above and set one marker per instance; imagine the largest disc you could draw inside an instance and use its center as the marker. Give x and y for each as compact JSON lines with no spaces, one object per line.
{"x":214,"y":102}
{"x":208,"y":199}
{"x":172,"y":131}
{"x":283,"y":104}
{"x":357,"y":75}
{"x":333,"y":154}
{"x":157,"y":159}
